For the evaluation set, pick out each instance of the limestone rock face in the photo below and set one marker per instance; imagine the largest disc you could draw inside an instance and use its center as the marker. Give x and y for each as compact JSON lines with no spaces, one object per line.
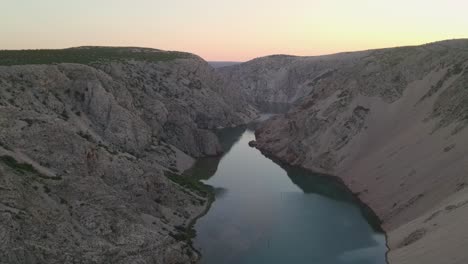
{"x":391,"y":123}
{"x":84,"y":150}
{"x":269,"y":79}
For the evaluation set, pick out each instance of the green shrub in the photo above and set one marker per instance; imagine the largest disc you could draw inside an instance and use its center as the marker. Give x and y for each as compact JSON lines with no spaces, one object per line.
{"x":457,"y":68}
{"x":183,"y":234}
{"x":64,"y":115}
{"x":24,"y":168}
{"x":5,"y":146}
{"x":191,"y":183}
{"x":19,"y":167}
{"x":85,"y":135}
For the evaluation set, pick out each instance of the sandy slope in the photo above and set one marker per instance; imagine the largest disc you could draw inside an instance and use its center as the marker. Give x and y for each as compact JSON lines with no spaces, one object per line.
{"x":392,"y":124}
{"x":437,"y":236}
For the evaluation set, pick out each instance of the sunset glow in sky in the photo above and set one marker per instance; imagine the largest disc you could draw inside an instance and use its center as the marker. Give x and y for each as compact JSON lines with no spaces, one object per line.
{"x":231,"y":30}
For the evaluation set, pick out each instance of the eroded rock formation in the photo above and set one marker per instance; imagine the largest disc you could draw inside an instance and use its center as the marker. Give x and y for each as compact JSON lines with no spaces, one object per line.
{"x":84,"y":152}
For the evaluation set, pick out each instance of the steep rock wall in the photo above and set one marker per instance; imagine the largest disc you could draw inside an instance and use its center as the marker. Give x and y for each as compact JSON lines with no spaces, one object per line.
{"x":392,"y":124}
{"x":85,"y":151}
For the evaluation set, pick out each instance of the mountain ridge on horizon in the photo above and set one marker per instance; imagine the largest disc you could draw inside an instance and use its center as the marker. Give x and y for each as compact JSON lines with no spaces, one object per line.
{"x":227,"y":63}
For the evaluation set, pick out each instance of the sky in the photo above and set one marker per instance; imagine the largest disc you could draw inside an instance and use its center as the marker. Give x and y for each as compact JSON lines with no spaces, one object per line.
{"x":231,"y":30}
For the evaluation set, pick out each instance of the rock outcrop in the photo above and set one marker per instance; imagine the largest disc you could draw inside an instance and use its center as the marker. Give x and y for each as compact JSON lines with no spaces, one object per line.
{"x":88,"y":151}
{"x":391,"y":123}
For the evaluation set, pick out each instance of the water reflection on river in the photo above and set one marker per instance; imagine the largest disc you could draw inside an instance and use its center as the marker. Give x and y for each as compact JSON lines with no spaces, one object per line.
{"x":267,"y":213}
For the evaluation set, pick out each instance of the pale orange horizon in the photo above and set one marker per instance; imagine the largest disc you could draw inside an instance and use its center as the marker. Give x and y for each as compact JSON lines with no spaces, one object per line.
{"x":232,"y":31}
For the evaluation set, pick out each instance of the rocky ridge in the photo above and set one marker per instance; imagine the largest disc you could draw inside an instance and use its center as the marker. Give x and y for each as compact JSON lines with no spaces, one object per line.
{"x":89,"y":153}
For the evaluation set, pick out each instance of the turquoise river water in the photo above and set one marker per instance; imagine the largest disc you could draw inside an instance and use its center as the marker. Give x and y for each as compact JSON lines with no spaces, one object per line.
{"x":270,"y":213}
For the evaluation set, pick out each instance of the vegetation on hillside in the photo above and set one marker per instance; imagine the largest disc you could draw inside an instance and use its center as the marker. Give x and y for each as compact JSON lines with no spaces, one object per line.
{"x":192,"y":184}
{"x":17,"y":166}
{"x":86,"y":55}
{"x":24,"y":168}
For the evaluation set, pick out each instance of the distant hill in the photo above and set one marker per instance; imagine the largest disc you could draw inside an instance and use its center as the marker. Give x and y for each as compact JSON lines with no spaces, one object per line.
{"x":87,"y":55}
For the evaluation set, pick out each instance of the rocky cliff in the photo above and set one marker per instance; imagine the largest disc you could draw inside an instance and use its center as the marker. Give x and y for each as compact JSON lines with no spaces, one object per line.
{"x":90,"y":141}
{"x":391,"y":123}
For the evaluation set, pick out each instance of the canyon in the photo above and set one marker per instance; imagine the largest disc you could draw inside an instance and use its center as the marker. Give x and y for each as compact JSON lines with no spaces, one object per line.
{"x":93,"y":146}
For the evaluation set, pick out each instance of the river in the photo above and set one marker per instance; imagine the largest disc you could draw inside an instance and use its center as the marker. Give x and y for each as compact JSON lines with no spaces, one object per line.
{"x":270,"y":213}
